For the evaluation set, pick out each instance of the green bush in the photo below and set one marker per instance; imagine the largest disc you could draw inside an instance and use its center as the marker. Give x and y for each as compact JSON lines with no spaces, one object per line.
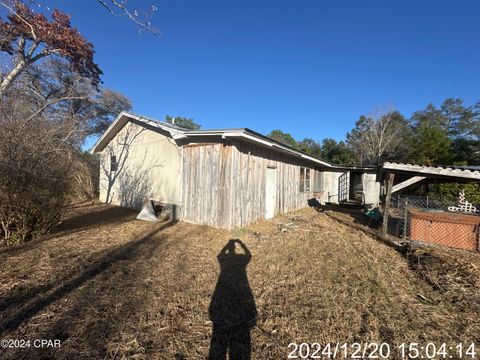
{"x":449,"y":192}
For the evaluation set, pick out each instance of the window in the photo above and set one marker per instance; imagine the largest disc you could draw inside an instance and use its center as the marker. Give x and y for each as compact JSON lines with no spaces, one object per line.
{"x":318,"y":181}
{"x":304,"y":179}
{"x":113,"y":163}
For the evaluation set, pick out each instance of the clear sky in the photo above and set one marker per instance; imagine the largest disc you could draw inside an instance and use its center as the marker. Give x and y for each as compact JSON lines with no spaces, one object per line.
{"x":310,"y":68}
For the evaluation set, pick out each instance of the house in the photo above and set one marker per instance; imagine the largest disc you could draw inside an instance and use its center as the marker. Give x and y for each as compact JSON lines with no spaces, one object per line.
{"x":223,"y":178}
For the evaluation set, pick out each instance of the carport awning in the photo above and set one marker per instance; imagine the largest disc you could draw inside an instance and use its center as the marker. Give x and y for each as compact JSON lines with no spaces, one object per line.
{"x":415,"y":173}
{"x":452,"y":173}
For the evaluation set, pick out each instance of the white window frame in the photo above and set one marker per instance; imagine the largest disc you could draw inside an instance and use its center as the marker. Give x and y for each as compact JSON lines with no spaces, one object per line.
{"x":305,"y":179}
{"x":113,"y":163}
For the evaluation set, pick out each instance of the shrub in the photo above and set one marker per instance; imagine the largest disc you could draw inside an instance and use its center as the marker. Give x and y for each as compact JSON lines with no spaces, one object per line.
{"x":449,"y":192}
{"x":85,"y":171}
{"x":35,"y":163}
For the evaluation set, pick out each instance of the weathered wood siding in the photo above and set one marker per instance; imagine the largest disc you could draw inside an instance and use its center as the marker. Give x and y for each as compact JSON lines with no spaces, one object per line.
{"x":223,"y":185}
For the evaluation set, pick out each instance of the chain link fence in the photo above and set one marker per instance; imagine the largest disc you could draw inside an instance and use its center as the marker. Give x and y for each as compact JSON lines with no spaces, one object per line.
{"x":434,"y":221}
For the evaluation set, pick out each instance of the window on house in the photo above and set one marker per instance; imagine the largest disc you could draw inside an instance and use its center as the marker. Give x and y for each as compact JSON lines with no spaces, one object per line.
{"x":318,"y":181}
{"x":304,"y":179}
{"x":113,"y":163}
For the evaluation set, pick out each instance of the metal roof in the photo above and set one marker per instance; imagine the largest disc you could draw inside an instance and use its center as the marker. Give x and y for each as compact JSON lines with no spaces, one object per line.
{"x":177,"y":132}
{"x":461,"y":172}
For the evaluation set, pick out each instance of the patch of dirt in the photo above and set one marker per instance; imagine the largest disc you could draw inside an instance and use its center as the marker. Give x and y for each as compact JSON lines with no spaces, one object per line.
{"x":112,"y":287}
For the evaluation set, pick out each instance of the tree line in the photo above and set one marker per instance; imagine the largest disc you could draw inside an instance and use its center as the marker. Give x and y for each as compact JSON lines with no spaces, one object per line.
{"x":444,"y":135}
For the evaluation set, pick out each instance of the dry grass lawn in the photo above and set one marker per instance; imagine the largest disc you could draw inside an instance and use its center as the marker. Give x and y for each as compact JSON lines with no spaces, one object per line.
{"x":112,"y":287}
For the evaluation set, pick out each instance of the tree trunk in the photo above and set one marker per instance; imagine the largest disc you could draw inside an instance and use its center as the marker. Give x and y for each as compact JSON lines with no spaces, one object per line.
{"x":17,"y":70}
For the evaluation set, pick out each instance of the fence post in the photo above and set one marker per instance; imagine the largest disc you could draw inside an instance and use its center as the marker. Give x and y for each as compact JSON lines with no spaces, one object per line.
{"x":478,"y":237}
{"x":405,"y":219}
{"x":386,"y":201}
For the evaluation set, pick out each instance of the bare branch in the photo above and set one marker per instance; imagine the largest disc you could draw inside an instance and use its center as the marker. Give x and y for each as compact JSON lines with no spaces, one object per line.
{"x":32,"y":49}
{"x":53,"y":102}
{"x":109,"y":5}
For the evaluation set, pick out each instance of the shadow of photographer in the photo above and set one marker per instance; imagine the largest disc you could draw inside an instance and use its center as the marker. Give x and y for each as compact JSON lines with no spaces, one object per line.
{"x":232,"y":309}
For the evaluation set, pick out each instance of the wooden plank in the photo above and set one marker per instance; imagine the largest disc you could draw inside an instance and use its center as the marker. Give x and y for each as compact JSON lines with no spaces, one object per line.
{"x":229,"y":186}
{"x":386,"y":203}
{"x":407,"y":183}
{"x":221,"y":187}
{"x":228,"y":181}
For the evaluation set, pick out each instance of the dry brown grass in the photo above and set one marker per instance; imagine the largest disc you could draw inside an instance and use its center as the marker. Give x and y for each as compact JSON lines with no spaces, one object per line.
{"x":112,"y":287}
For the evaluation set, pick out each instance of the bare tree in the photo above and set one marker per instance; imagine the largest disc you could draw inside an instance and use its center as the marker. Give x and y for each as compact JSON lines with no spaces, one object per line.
{"x":58,"y":92}
{"x":377,"y":136}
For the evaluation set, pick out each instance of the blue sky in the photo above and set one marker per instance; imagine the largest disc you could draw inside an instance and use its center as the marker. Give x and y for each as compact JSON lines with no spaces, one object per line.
{"x":310,"y":68}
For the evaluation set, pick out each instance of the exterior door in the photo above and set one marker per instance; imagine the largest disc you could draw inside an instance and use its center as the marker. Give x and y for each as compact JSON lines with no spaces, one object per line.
{"x":270,"y":193}
{"x":356,"y":186}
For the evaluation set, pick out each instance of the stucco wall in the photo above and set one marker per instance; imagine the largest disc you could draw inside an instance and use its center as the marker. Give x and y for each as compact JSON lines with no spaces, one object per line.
{"x":371,"y":188}
{"x":330,"y":186}
{"x":149,"y":166}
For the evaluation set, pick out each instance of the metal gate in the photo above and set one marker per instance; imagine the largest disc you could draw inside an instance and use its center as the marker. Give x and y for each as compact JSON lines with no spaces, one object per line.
{"x":343,"y":187}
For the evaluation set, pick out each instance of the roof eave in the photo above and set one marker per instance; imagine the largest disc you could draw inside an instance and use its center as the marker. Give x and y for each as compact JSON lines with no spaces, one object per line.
{"x":251,"y":136}
{"x":244,"y":133}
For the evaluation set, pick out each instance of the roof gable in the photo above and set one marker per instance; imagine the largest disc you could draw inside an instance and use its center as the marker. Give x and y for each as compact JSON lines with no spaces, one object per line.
{"x":122,"y":119}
